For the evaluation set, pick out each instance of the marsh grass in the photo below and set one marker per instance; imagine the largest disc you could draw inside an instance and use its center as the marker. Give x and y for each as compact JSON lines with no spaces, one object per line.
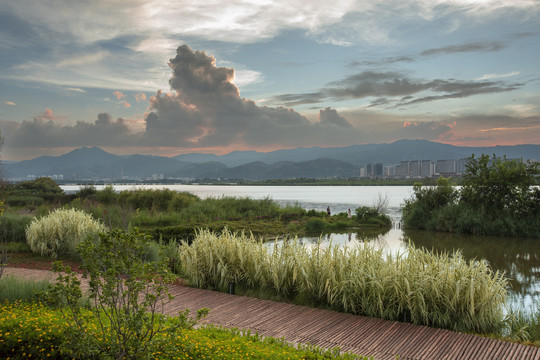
{"x":522,"y":325}
{"x":61,"y":231}
{"x":441,"y":290}
{"x":13,"y":288}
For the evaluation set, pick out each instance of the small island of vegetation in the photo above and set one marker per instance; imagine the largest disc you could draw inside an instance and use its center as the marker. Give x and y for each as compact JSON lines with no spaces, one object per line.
{"x":498,"y":196}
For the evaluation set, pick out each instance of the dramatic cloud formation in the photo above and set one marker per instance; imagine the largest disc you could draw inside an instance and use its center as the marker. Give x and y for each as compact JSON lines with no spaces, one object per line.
{"x":204,"y":110}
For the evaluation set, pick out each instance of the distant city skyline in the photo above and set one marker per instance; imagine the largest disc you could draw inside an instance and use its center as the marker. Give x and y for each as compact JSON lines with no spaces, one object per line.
{"x":168,"y":77}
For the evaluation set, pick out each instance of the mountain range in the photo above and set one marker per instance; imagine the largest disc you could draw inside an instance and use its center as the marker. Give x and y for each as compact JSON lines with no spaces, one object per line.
{"x":313,"y":162}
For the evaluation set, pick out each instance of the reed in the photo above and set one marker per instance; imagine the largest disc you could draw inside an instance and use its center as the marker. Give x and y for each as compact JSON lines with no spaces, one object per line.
{"x":440,"y":290}
{"x":13,"y":289}
{"x":61,"y":231}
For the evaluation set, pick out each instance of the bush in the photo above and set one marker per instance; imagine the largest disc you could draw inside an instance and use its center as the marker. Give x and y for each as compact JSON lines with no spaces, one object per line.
{"x":61,"y":231}
{"x":107,"y":195}
{"x":12,"y":227}
{"x":127,"y":296}
{"x":315,"y":226}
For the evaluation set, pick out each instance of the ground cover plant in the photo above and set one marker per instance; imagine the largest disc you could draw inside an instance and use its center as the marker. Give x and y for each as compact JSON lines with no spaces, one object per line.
{"x":30,"y":330}
{"x":440,"y":290}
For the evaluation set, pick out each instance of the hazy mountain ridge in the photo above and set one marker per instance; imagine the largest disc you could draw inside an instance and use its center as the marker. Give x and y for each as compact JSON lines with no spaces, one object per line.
{"x":314,"y":162}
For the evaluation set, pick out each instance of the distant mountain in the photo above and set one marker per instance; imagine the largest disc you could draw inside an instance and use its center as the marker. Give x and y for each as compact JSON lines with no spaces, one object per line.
{"x":313,"y":162}
{"x":89,"y":163}
{"x":393,"y":153}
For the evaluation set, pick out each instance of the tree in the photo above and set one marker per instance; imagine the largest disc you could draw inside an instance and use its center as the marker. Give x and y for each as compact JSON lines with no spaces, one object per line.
{"x":499,"y":186}
{"x":127,"y":296}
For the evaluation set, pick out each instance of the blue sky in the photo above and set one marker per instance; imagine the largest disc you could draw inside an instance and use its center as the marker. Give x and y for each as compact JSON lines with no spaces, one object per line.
{"x":170,"y":77}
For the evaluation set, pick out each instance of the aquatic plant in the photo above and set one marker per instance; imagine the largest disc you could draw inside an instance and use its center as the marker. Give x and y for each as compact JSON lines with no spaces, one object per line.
{"x":441,"y":290}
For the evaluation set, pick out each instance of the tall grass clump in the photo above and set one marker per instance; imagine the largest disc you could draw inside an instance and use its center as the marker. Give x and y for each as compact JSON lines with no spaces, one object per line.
{"x":13,"y":288}
{"x":12,"y":227}
{"x":439,"y":290}
{"x":61,"y":231}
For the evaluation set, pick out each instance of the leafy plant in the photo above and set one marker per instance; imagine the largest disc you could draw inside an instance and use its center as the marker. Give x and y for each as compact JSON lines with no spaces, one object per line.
{"x":61,"y":231}
{"x":127,"y":296}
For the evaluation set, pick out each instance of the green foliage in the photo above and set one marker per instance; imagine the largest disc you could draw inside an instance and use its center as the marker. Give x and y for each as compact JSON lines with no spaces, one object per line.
{"x":440,"y":290}
{"x":13,"y":288}
{"x":127,"y":296}
{"x":497,"y":198}
{"x":107,"y":195}
{"x":315,"y":226}
{"x":372,"y":216}
{"x":499,"y":186}
{"x":42,"y":185}
{"x":33,"y":193}
{"x":12,"y":227}
{"x":364,"y":212}
{"x":33,"y":331}
{"x":87,"y":191}
{"x":60,"y":232}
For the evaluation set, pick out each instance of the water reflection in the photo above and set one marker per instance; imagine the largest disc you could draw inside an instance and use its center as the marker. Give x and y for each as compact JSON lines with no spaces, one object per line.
{"x":519,"y":259}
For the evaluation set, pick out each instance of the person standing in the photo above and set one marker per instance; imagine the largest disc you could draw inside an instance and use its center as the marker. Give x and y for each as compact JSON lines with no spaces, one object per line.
{"x":328,"y":211}
{"x":349,"y":215}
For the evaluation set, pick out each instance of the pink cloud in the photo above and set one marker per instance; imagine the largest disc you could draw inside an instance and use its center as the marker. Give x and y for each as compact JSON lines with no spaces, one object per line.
{"x":119,"y":95}
{"x":140,"y":97}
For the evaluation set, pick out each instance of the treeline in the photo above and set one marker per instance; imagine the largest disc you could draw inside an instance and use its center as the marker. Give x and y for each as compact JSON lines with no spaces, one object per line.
{"x":498,"y":196}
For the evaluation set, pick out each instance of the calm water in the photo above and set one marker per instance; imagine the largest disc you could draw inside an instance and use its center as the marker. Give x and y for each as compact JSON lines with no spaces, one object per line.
{"x":518,"y":258}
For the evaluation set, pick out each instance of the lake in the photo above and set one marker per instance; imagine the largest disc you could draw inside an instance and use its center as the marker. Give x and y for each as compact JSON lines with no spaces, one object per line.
{"x":518,"y":258}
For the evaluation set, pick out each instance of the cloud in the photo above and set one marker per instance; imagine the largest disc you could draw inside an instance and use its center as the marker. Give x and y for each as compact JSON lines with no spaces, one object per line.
{"x":119,"y":95}
{"x":44,"y":132}
{"x":331,"y":116}
{"x":10,"y":103}
{"x":204,"y":110}
{"x":497,"y":76}
{"x":391,"y":88}
{"x":469,"y":47}
{"x":140,"y":97}
{"x":76,"y":90}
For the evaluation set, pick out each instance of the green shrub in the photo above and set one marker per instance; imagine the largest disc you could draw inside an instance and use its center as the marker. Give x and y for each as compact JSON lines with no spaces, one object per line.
{"x":12,"y":227}
{"x":127,"y":295}
{"x":315,"y":226}
{"x":182,"y":200}
{"x":61,"y":231}
{"x":23,"y":200}
{"x":87,"y":191}
{"x":107,"y":195}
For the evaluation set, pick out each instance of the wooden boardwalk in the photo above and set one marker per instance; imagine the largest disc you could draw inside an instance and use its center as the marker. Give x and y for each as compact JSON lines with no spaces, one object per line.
{"x":382,"y":339}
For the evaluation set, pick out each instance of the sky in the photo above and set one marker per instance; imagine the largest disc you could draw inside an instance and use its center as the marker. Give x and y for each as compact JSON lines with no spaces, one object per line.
{"x":168,"y":77}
